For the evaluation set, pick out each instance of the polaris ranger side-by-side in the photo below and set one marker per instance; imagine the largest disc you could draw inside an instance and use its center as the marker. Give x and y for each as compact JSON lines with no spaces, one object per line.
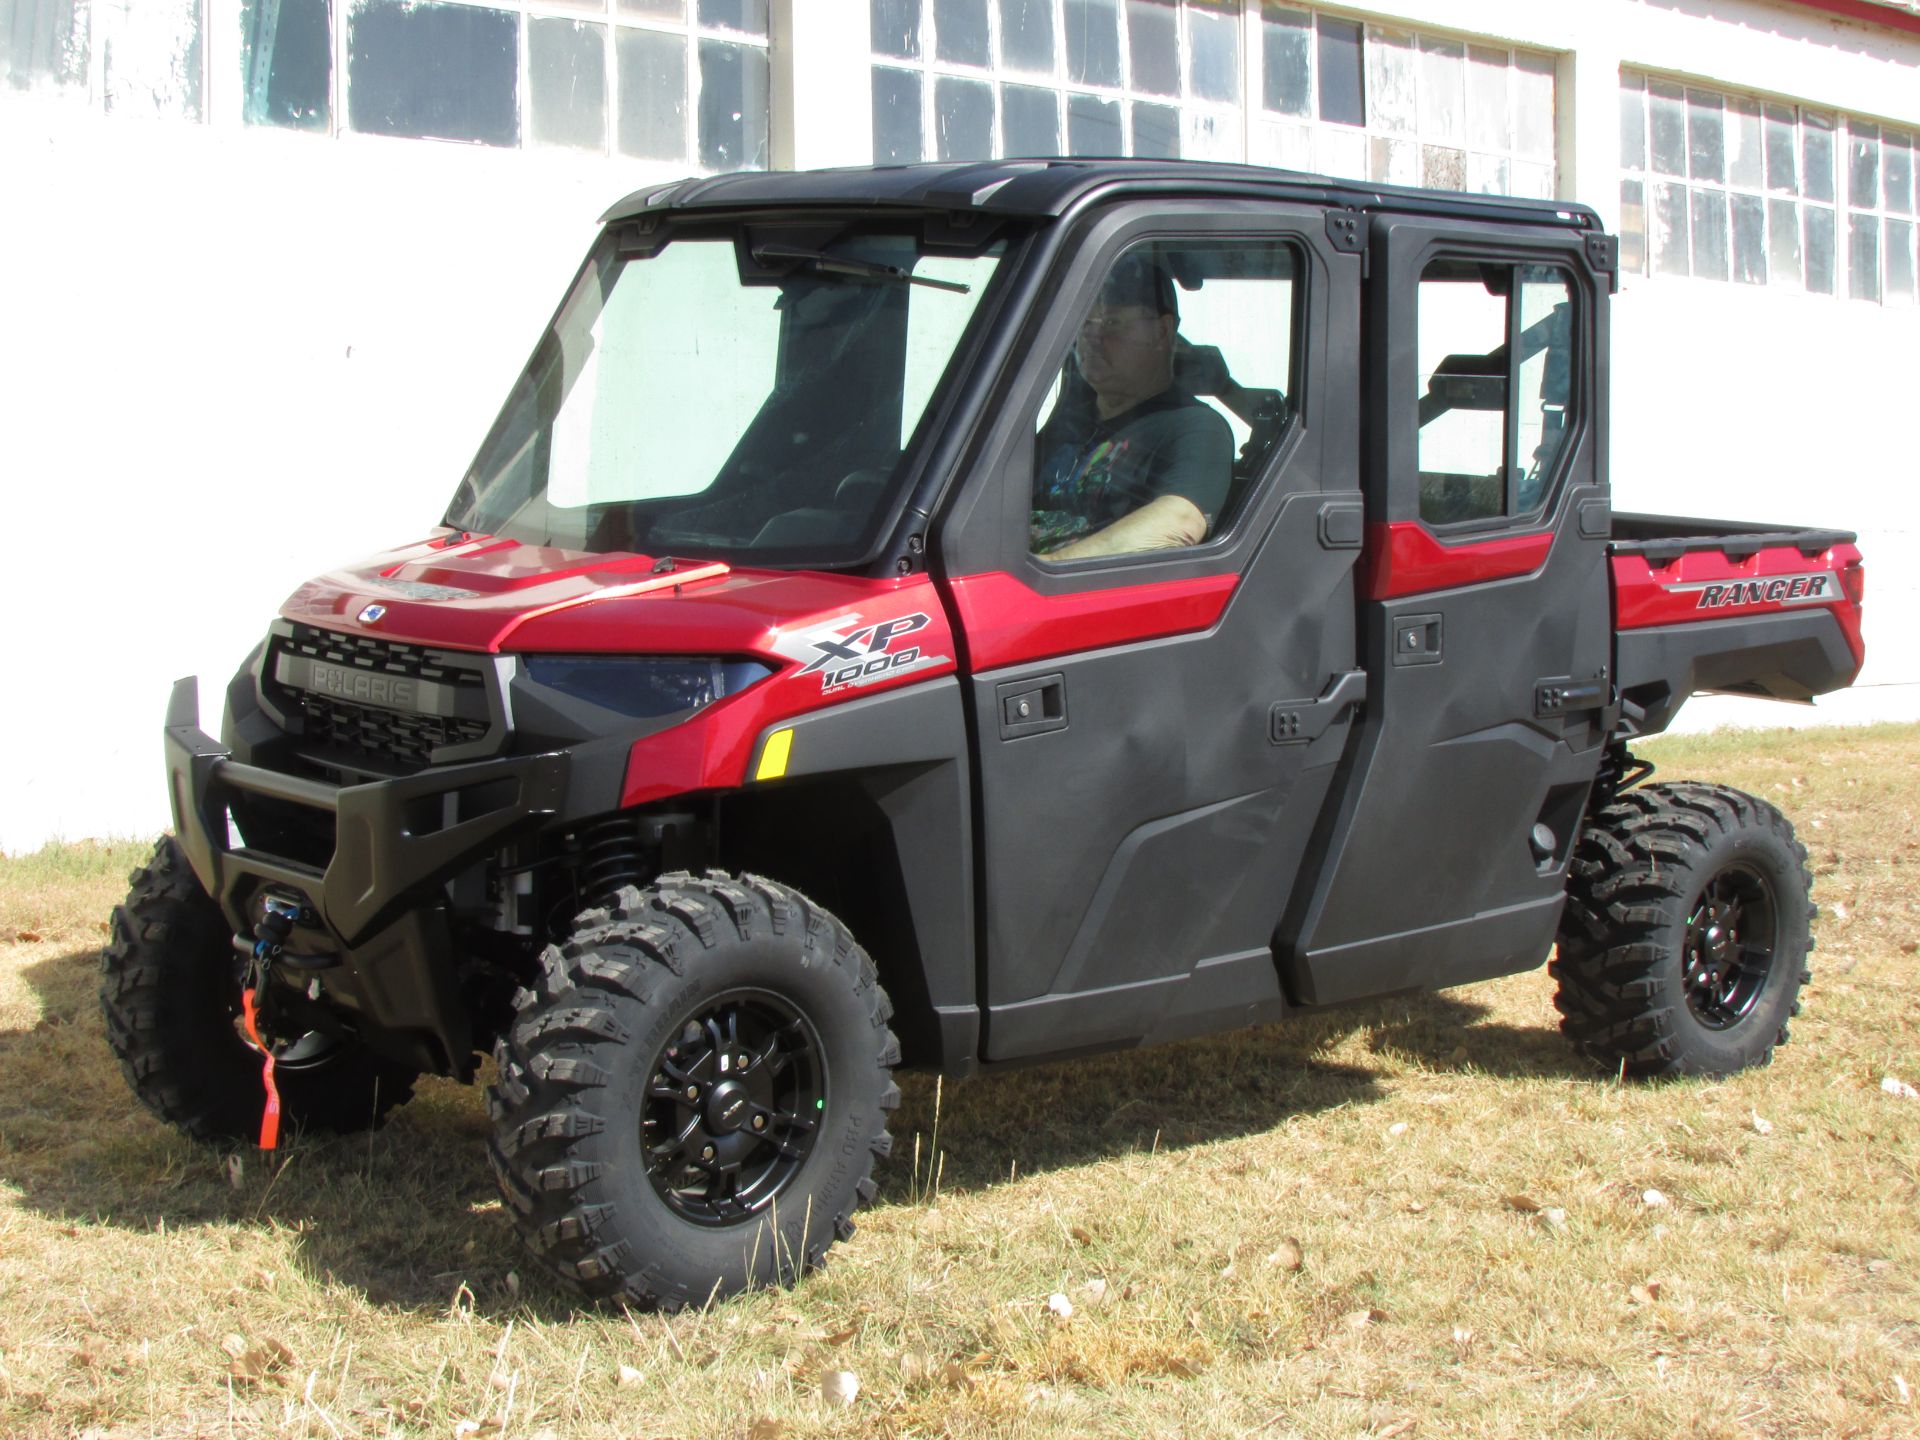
{"x":776,"y":685}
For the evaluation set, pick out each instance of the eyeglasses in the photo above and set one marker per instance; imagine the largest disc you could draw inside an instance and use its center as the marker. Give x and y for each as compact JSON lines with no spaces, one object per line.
{"x":1107,"y":325}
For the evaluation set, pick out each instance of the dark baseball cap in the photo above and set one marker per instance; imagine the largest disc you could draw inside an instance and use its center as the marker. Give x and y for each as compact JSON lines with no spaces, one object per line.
{"x":1140,"y":280}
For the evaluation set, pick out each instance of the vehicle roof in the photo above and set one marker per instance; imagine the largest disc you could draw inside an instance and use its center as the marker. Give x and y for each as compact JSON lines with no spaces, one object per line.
{"x":1050,"y":187}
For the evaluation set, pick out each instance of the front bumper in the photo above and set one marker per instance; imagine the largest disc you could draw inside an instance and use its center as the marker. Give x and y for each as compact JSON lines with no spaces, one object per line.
{"x":378,"y":899}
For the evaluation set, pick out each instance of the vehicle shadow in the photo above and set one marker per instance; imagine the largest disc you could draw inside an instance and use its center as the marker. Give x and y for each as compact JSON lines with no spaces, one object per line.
{"x":410,"y":1217}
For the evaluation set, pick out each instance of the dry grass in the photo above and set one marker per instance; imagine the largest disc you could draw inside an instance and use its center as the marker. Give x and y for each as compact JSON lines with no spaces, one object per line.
{"x":1475,"y":1251}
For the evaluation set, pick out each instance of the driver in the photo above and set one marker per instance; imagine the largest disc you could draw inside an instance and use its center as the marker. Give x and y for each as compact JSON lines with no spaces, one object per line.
{"x":1144,"y":466}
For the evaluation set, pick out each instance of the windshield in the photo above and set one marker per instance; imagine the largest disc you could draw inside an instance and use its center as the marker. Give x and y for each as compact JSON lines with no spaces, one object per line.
{"x":736,"y":394}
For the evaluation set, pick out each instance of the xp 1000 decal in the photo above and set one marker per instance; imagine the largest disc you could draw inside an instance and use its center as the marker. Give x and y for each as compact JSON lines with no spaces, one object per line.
{"x":848,"y":651}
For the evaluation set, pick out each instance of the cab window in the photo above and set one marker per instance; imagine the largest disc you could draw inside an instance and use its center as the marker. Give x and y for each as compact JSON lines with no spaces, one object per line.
{"x":1494,"y":387}
{"x":1170,"y":401}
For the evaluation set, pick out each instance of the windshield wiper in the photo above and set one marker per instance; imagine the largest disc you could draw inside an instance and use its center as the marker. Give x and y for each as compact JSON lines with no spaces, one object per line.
{"x":846,"y":265}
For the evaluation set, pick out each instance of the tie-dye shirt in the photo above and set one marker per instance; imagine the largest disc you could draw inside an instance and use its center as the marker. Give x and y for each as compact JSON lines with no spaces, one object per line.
{"x":1090,"y":472}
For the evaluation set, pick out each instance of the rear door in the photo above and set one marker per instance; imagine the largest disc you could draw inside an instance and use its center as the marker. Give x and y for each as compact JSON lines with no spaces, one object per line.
{"x":1157,"y":732}
{"x":1484,"y":614}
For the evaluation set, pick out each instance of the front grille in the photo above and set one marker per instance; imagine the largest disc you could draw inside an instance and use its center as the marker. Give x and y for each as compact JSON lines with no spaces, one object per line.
{"x":410,"y":739}
{"x":387,"y":657}
{"x":365,"y":701}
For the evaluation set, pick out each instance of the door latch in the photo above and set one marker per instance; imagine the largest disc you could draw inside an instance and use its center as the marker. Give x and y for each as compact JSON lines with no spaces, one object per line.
{"x":1031,"y":706}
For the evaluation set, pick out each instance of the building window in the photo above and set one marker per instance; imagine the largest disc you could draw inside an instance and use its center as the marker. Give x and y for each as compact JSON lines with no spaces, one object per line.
{"x":1762,"y":192}
{"x":1208,"y":79}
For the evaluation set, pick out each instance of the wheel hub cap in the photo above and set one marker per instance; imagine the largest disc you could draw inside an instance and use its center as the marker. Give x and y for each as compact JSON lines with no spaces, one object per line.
{"x":1729,"y":953}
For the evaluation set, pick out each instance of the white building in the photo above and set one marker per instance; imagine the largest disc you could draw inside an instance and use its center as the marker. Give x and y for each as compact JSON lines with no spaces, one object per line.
{"x":270,"y":265}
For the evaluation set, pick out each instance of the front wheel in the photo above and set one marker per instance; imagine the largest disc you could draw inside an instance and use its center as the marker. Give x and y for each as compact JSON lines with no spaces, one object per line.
{"x":170,"y":986}
{"x":692,"y":1100}
{"x":1686,"y":934}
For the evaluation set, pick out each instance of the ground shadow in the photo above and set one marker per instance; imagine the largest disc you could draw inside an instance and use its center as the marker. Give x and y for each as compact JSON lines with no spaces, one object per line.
{"x":410,"y":1217}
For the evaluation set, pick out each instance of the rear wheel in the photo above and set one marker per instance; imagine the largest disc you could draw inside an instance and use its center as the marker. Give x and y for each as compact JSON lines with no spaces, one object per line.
{"x":693,"y":1098}
{"x":1686,"y":934}
{"x":170,"y":992}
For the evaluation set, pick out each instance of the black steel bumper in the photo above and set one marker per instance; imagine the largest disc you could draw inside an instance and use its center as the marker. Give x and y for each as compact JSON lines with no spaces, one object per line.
{"x":395,"y":840}
{"x":379,"y":897}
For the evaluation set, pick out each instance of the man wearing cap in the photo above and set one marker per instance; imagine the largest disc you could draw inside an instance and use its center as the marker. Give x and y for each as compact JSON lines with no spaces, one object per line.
{"x":1139,"y":464}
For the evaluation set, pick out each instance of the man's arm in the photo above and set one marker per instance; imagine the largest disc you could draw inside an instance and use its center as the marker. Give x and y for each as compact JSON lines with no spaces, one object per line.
{"x":1162,"y":524}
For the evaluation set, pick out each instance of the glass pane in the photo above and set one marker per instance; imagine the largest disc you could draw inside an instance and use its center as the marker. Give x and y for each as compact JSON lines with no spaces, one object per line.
{"x":896,"y":28}
{"x":1393,"y":85}
{"x":1819,"y":249}
{"x":1394,"y":162}
{"x":1533,"y":127}
{"x":1156,"y":131}
{"x":1899,"y":253}
{"x":150,"y":54}
{"x":1213,"y":54}
{"x":1633,"y":227}
{"x":1667,"y":116}
{"x":1633,"y":122}
{"x":1783,"y":170}
{"x":1544,"y":388}
{"x":963,"y":118}
{"x":1670,"y":230}
{"x":288,"y":55}
{"x":1783,"y":243}
{"x":1093,"y":42}
{"x":1342,"y":79}
{"x":1749,"y":239}
{"x":50,"y":41}
{"x":1211,"y":135}
{"x":749,"y":16}
{"x":451,"y":72}
{"x":896,"y":117}
{"x":1443,"y":82}
{"x":1461,"y":396}
{"x":1816,"y":148}
{"x":1487,"y":123}
{"x":1863,"y":165}
{"x":1863,"y":257}
{"x":1443,"y":168}
{"x":1706,"y":136}
{"x":1340,"y":152}
{"x":653,"y":94}
{"x":1531,"y":180}
{"x":567,"y":83}
{"x":1487,"y":175}
{"x":1026,"y":35}
{"x":733,"y":106}
{"x":1745,"y":164}
{"x":960,"y":32}
{"x":1286,"y":61}
{"x":1153,"y":46}
{"x":1029,"y":120}
{"x":674,"y":10}
{"x":1710,"y":234}
{"x":1285,"y":145}
{"x":1138,"y":420}
{"x":1896,"y":177}
{"x":1093,"y":126}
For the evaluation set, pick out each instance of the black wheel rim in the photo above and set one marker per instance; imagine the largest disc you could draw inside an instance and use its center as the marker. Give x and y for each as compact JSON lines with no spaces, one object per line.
{"x":1729,"y":948}
{"x":733,"y":1107}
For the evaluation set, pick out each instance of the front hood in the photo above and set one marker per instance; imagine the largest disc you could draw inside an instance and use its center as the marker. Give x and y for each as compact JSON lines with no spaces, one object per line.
{"x":484,"y":593}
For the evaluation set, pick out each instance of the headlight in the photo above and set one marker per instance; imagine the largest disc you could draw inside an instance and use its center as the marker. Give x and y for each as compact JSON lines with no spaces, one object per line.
{"x":645,"y":687}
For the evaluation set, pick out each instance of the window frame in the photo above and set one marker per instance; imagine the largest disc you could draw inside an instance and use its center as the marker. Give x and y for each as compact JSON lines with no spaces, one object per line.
{"x":1393,"y":386}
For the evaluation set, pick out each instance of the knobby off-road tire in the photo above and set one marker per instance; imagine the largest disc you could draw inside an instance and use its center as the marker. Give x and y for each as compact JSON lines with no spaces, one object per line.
{"x":170,"y":992}
{"x":1686,"y":934}
{"x":642,"y":1161}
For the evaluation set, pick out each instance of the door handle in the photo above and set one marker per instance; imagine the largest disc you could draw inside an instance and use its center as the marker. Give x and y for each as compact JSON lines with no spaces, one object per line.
{"x":1031,"y":706}
{"x":1296,"y":722}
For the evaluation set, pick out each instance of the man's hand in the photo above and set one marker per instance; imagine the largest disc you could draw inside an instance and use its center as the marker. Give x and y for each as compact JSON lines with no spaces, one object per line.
{"x":1160,"y":524}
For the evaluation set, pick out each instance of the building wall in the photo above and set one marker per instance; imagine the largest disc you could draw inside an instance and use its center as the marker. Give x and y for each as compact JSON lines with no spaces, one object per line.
{"x":239,"y":355}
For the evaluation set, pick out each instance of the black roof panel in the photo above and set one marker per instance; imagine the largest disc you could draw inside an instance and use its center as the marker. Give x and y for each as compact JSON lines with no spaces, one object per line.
{"x":1050,"y":187}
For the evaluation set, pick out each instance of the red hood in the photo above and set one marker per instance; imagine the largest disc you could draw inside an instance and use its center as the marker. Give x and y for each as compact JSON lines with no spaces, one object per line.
{"x":489,"y":594}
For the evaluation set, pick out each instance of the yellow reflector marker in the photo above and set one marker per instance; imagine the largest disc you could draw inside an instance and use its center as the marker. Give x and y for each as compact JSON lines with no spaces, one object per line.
{"x":773,"y":759}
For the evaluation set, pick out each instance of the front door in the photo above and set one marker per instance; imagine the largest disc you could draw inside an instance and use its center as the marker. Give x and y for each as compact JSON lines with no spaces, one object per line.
{"x":1157,"y":728}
